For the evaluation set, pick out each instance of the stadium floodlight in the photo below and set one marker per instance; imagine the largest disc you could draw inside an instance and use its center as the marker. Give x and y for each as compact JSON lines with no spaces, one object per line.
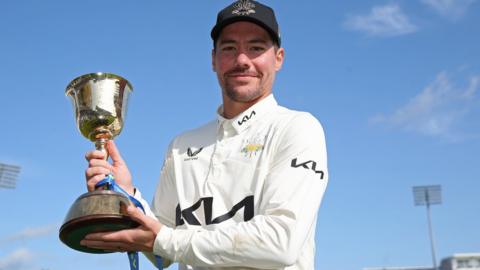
{"x":428,"y":195}
{"x":8,"y":175}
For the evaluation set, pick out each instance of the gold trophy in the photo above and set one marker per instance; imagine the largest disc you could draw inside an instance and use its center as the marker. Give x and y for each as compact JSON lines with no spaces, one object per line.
{"x":100,"y":104}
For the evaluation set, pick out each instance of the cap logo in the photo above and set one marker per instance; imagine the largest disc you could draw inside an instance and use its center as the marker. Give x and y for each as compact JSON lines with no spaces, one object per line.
{"x":243,"y":7}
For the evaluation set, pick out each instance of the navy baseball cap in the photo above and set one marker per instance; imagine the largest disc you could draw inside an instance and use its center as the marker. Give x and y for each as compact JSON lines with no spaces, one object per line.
{"x":250,"y":11}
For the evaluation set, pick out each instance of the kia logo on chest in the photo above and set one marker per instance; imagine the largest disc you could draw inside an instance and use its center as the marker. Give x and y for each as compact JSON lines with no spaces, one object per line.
{"x":188,"y":215}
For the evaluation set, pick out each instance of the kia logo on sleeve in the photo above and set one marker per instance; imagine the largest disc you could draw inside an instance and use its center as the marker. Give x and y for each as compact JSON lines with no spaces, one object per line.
{"x":306,"y":165}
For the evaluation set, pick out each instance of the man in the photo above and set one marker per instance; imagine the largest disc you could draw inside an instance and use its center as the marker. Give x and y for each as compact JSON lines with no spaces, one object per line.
{"x":244,"y":189}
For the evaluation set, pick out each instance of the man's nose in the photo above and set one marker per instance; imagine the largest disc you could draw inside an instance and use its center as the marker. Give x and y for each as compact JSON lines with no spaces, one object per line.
{"x":242,"y":59}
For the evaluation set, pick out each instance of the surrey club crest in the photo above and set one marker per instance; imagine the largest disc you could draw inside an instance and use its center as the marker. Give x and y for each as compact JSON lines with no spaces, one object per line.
{"x":253,"y":146}
{"x":243,"y":7}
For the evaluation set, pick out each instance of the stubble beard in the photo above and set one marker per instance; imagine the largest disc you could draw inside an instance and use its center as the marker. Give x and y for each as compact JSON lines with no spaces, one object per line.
{"x":242,"y":96}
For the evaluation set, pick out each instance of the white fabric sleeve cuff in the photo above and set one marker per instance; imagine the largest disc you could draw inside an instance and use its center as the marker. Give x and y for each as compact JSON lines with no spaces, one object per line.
{"x":164,"y":237}
{"x":174,"y":244}
{"x":138,"y":195}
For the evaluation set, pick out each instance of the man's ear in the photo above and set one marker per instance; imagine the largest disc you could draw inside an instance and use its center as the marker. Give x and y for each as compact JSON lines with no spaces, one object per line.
{"x":279,"y":57}
{"x":214,"y":66}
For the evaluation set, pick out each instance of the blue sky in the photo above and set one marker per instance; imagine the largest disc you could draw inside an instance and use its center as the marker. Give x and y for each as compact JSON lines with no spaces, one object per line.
{"x":395,"y":84}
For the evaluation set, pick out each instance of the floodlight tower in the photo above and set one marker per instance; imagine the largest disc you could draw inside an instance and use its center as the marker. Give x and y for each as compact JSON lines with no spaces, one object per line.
{"x":8,"y":175}
{"x":428,"y":195}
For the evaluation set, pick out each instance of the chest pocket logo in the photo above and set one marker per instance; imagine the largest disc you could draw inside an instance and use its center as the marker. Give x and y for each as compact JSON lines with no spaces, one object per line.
{"x":187,"y":215}
{"x":191,"y":153}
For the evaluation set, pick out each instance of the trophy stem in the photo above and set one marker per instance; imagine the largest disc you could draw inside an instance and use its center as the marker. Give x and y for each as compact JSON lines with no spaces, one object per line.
{"x":100,"y":146}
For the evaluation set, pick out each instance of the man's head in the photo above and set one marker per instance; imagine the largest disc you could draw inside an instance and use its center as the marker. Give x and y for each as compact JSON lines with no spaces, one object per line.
{"x":246,"y":53}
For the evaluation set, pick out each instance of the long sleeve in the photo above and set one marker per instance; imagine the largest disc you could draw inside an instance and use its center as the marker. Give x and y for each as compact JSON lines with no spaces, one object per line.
{"x":166,"y":194}
{"x":166,"y":186}
{"x":165,"y":197}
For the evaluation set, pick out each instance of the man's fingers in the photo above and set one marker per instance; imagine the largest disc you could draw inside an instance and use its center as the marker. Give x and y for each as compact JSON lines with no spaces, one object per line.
{"x":122,"y":236}
{"x":114,"y":153}
{"x":93,"y":171}
{"x":99,"y":163}
{"x":107,"y":246}
{"x":94,"y":154}
{"x":92,"y":182}
{"x":95,"y":175}
{"x":106,"y":236}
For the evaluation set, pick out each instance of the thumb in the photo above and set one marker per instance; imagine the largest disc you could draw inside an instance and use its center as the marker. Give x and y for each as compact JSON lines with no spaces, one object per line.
{"x":137,"y":215}
{"x":147,"y":222}
{"x":114,"y":153}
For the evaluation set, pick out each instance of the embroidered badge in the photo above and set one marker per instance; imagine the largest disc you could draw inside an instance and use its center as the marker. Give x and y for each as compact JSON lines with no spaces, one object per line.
{"x":252,"y":149}
{"x":243,"y":7}
{"x":253,"y":146}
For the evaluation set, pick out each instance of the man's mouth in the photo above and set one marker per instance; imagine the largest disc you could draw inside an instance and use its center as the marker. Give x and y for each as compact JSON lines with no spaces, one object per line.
{"x":241,"y":74}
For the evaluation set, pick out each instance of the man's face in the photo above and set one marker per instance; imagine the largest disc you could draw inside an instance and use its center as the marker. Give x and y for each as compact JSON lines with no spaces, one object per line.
{"x":245,"y":60}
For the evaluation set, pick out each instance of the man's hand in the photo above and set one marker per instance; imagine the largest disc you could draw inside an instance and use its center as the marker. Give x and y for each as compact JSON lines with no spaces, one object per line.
{"x":141,"y":238}
{"x":98,"y":168}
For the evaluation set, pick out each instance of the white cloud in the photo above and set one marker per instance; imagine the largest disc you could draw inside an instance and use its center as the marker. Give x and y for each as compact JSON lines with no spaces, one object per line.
{"x":29,"y":233}
{"x":20,"y":259}
{"x":449,"y":8}
{"x":386,"y":20}
{"x":438,"y":110}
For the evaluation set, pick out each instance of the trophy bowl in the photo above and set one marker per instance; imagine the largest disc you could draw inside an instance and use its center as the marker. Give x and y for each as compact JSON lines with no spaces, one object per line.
{"x":100,"y":104}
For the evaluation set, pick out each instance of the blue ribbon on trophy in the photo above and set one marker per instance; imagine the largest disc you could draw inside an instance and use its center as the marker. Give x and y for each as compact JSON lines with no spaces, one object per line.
{"x":109,"y":183}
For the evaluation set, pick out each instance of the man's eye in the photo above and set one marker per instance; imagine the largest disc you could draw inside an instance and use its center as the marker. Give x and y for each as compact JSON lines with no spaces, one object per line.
{"x":228,"y":48}
{"x":257,"y":49}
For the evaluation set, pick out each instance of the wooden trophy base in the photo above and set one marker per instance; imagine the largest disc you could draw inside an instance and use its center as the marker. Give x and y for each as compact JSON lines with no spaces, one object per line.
{"x":97,"y":211}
